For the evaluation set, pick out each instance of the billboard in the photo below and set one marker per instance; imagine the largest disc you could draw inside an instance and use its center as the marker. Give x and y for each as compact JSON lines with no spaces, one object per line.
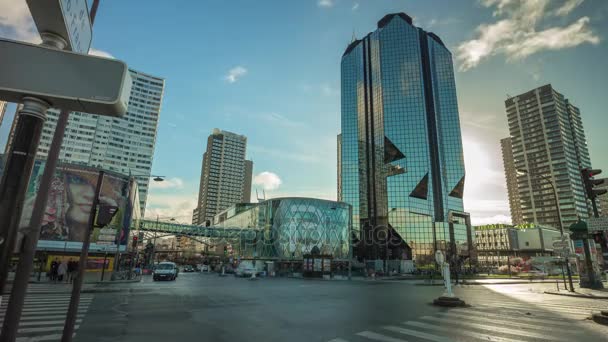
{"x":69,"y":205}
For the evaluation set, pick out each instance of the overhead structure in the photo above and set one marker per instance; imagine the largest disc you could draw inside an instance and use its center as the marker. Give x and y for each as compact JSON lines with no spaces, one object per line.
{"x":192,"y":230}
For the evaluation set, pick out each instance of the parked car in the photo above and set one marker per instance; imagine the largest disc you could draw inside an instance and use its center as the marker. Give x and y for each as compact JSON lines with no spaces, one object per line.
{"x":204,"y":268}
{"x":189,"y":269}
{"x":165,"y":271}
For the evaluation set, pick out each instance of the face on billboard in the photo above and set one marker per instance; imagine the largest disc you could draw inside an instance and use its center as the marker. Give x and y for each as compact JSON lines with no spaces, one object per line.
{"x":70,"y":201}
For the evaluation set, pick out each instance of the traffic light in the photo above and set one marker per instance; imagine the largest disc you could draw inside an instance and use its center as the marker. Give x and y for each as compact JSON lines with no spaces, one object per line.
{"x":135,"y":239}
{"x":105,"y":215}
{"x":590,"y":183}
{"x":225,"y":250}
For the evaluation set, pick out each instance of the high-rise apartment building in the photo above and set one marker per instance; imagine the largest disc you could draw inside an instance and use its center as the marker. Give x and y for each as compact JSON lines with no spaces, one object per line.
{"x":511,"y":176}
{"x":2,"y":110}
{"x":548,"y":144}
{"x":124,"y":145}
{"x":402,"y":166}
{"x":225,"y":176}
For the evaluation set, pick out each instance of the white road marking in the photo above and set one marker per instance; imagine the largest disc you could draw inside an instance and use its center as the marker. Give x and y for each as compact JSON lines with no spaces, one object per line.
{"x":495,"y":329}
{"x":419,"y":334}
{"x":468,"y":333}
{"x":379,"y":337}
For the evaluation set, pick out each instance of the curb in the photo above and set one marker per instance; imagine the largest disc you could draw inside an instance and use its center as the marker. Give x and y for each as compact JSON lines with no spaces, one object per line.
{"x":577,"y":295}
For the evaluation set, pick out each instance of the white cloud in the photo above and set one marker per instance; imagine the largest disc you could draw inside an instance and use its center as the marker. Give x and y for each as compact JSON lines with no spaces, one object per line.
{"x":16,"y":21}
{"x":326,"y":3}
{"x":568,"y":6}
{"x":168,"y":183}
{"x":268,"y":180}
{"x":479,"y":221}
{"x":516,"y":32}
{"x":328,"y":90}
{"x":100,"y":53}
{"x":235,"y":74}
{"x":355,"y":6}
{"x":174,"y":205}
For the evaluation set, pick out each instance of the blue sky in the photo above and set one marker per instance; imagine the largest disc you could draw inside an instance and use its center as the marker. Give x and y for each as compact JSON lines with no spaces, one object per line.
{"x":270,"y":69}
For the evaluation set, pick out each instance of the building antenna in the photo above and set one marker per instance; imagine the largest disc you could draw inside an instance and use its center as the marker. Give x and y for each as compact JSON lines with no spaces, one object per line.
{"x":354,"y":36}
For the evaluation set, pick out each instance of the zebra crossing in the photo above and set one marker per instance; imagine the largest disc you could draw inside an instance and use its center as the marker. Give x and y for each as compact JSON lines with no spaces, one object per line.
{"x":495,"y":320}
{"x":44,"y":314}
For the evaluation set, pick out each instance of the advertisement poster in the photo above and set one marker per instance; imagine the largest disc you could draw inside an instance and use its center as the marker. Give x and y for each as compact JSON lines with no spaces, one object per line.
{"x":326,"y":265}
{"x":69,"y":205}
{"x":318,"y":265}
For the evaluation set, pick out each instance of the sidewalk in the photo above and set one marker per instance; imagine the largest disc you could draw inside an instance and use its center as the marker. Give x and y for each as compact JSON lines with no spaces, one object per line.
{"x":582,"y":293}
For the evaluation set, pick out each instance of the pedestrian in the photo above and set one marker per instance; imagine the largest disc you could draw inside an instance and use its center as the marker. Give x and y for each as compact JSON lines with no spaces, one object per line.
{"x":54,"y":268}
{"x":62,"y":270}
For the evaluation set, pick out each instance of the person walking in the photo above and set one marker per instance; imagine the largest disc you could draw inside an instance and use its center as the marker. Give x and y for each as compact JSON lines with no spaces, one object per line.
{"x":62,"y":270}
{"x":54,"y":267}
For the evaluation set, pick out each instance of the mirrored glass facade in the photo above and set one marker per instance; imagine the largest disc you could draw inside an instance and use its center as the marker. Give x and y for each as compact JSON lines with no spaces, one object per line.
{"x":289,"y":228}
{"x":401,"y":161}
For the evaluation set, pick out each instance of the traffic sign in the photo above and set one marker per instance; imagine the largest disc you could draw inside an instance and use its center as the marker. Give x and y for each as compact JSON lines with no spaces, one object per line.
{"x":560,"y":244}
{"x":439,"y":257}
{"x":66,"y":18}
{"x":66,"y":80}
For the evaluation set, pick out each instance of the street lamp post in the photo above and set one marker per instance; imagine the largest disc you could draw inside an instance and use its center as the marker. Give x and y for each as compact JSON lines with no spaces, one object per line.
{"x":559,"y":219}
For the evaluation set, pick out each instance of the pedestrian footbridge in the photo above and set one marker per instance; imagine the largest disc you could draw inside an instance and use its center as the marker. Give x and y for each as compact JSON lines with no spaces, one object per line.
{"x":182,"y":229}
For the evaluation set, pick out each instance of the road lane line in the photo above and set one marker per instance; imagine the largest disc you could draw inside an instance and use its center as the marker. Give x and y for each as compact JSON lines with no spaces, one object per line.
{"x":468,"y":333}
{"x":379,"y":337}
{"x":496,"y":329}
{"x":419,"y":334}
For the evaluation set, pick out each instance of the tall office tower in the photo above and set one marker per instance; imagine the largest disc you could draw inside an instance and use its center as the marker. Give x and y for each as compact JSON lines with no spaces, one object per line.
{"x":225,"y":176}
{"x":2,"y":111}
{"x":402,"y":166}
{"x":339,"y":164}
{"x":124,"y":145}
{"x":548,"y":144}
{"x":511,"y":176}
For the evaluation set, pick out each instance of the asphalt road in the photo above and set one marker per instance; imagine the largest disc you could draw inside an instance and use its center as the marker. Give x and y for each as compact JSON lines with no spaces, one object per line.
{"x":205,"y":307}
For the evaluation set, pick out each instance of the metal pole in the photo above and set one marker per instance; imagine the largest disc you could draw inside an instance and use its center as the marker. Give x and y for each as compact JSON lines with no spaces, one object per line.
{"x":68,"y":328}
{"x":103,"y":267}
{"x":561,"y":229}
{"x":350,"y":242}
{"x":589,"y":264}
{"x":15,"y":180}
{"x":31,"y":235}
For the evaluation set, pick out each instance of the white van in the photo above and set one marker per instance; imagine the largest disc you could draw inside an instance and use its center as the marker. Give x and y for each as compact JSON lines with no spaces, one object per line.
{"x":165,"y":270}
{"x":246,"y":268}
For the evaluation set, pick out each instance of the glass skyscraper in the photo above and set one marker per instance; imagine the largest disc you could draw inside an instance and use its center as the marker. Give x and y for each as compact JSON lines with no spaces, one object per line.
{"x":401,"y":163}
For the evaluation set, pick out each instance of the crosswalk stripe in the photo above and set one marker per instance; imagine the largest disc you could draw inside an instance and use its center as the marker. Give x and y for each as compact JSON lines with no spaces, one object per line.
{"x":451,"y":330}
{"x":549,"y":320}
{"x":39,"y":318}
{"x":43,"y":329}
{"x":46,"y":303}
{"x":53,"y":308}
{"x":61,"y":322}
{"x":537,"y":312}
{"x":420,"y":334}
{"x":379,"y":337}
{"x":540,"y":304}
{"x":53,"y":337}
{"x":503,"y":322}
{"x":495,"y":329}
{"x":538,"y":309}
